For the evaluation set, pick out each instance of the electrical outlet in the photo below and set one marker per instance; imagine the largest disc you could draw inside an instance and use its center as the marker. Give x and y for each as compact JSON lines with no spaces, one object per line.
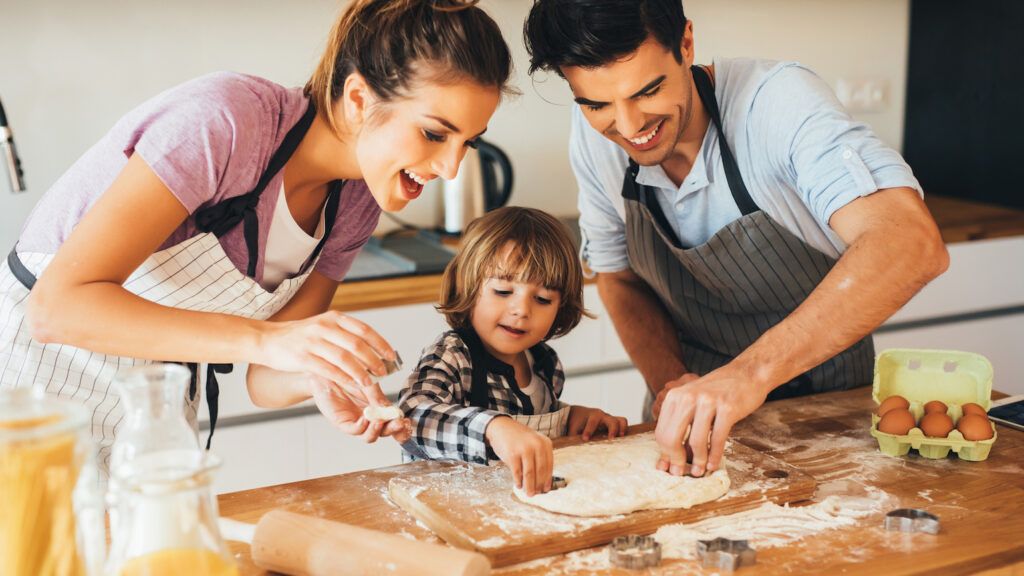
{"x":863,"y":94}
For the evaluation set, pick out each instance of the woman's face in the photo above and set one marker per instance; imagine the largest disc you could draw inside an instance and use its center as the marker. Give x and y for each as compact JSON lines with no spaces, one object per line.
{"x":405,"y":143}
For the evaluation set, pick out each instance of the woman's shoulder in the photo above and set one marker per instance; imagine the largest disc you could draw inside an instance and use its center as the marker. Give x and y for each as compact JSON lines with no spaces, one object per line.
{"x":229,"y":98}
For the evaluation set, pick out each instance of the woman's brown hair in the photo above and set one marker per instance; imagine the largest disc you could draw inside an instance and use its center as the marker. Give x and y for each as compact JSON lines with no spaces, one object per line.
{"x":542,"y":252}
{"x":390,"y":41}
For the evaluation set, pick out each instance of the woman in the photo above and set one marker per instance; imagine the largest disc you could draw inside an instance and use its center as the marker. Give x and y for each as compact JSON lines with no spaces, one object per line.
{"x":214,"y":222}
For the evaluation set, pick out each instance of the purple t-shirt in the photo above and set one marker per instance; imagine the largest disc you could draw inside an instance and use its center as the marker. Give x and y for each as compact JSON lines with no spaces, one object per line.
{"x":207,"y":140}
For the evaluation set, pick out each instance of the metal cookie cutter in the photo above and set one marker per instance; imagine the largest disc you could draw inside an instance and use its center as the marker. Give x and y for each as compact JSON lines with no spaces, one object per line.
{"x":558,"y":482}
{"x":634,"y":552}
{"x":725,"y":554}
{"x":912,"y":520}
{"x":392,"y":366}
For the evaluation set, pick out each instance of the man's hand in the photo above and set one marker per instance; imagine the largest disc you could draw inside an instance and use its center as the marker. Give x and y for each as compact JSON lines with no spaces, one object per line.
{"x":527,"y":453}
{"x":660,"y":398}
{"x":586,"y":421}
{"x":706,"y":407}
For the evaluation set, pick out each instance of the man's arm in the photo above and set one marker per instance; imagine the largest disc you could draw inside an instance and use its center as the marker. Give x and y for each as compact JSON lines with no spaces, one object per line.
{"x":894,"y":250}
{"x":643,"y":326}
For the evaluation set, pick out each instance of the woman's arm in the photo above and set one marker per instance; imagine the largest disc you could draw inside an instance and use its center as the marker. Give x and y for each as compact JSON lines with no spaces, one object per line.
{"x":79,"y":299}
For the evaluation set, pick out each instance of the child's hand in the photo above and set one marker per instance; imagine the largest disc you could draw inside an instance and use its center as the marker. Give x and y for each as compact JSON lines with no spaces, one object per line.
{"x":526,"y":452}
{"x":343,"y":407}
{"x":586,"y":421}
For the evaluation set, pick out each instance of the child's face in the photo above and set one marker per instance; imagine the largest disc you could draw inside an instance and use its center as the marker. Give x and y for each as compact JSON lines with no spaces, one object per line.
{"x":512,"y":316}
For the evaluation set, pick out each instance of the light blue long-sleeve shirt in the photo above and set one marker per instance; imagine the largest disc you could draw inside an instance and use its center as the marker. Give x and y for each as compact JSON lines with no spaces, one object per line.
{"x":801,"y":155}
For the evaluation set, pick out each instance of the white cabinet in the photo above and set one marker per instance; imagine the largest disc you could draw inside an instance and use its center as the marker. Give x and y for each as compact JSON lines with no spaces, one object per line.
{"x":618,"y":392}
{"x":999,"y":339}
{"x":260,"y":454}
{"x":976,"y":306}
{"x":330,"y":451}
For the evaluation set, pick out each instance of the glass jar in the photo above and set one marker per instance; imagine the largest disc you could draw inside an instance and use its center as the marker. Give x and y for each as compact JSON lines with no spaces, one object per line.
{"x":163,"y":510}
{"x":168,"y":521}
{"x":154,"y":416}
{"x":51,"y":505}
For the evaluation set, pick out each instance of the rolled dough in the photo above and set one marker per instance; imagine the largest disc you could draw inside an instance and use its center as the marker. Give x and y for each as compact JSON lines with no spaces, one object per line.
{"x":619,"y":476}
{"x":386,"y":413}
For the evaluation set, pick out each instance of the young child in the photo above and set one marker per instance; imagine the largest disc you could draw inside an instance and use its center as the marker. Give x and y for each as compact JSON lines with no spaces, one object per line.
{"x":489,"y":387}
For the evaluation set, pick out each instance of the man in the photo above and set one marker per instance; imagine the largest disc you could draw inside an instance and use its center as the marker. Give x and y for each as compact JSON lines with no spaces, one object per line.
{"x":747,"y":234}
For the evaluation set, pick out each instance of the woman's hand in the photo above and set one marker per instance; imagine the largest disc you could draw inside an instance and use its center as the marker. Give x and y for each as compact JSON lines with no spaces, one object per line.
{"x":527,"y":453}
{"x":331,"y":345}
{"x":343,"y":407}
{"x":586,"y":421}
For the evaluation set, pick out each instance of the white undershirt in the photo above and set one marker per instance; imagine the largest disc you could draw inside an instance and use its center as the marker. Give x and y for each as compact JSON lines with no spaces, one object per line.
{"x":288,"y":245}
{"x":537,"y":389}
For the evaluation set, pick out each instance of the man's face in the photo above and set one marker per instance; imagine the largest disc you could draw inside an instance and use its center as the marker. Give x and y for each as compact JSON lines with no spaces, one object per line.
{"x":643,"y":103}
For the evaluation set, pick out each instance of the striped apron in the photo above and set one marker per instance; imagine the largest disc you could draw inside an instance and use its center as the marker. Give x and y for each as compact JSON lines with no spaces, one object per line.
{"x":724,"y":294}
{"x":193,"y":275}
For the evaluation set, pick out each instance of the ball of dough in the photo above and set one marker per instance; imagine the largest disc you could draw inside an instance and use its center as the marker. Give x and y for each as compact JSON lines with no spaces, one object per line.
{"x":386,"y":413}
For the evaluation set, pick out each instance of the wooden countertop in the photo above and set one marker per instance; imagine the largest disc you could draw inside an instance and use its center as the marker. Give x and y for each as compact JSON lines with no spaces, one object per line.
{"x":958,"y":220}
{"x":980,"y":504}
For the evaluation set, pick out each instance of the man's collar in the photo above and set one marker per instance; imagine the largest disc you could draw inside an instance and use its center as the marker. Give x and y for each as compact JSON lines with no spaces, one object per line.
{"x":700,"y":176}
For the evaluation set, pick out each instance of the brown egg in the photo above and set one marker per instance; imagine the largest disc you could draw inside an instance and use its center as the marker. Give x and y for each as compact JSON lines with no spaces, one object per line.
{"x":974,"y":427}
{"x":897,"y":421}
{"x":934,"y":406}
{"x":892,"y":402}
{"x":936,"y":425}
{"x":972,"y":408}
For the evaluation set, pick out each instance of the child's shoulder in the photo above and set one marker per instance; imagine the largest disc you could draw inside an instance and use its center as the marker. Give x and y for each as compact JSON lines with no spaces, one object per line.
{"x":449,"y":343}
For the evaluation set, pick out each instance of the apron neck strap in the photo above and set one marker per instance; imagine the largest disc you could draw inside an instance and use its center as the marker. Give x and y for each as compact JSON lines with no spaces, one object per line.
{"x":224,"y":216}
{"x":706,"y":92}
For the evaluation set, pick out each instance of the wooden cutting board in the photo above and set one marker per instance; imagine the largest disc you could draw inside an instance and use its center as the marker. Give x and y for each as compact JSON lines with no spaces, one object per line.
{"x":473,"y":507}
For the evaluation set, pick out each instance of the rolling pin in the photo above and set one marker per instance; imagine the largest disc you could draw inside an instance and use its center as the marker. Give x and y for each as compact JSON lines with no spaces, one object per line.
{"x":305,"y":546}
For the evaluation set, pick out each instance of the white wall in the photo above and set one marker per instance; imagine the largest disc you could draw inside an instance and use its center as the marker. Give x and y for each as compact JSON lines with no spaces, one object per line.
{"x":69,"y":69}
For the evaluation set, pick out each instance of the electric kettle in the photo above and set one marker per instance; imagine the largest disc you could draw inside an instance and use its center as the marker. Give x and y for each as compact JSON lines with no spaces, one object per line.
{"x":475,"y":189}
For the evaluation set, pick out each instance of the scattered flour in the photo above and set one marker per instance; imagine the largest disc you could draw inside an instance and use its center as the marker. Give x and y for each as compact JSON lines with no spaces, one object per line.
{"x":769,"y":525}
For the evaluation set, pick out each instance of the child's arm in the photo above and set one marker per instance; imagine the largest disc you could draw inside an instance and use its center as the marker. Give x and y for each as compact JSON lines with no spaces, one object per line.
{"x":442,"y":427}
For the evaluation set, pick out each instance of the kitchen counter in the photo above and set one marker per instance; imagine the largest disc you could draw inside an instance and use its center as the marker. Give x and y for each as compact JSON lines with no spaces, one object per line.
{"x":958,"y":220}
{"x":980,"y":504}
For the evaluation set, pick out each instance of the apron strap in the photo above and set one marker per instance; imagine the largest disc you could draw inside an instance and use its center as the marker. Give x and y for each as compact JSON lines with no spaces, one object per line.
{"x":633,"y":190}
{"x":334,"y":189}
{"x":481,"y":358}
{"x":212,"y":390}
{"x":706,"y":92}
{"x":21,"y":273}
{"x":224,"y":216}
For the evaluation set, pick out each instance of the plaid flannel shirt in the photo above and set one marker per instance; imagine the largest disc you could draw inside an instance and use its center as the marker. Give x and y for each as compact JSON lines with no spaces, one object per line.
{"x":438,"y":400}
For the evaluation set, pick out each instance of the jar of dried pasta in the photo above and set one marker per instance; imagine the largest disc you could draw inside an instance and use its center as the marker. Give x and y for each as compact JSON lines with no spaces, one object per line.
{"x":51,"y":506}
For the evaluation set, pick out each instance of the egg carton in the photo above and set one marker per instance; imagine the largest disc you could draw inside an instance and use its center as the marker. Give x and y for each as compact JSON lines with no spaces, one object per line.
{"x":952,"y":377}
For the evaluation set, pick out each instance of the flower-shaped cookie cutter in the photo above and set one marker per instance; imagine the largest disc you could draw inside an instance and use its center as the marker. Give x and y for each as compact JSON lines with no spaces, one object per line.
{"x":725,"y":554}
{"x":912,"y":520}
{"x":634,"y":552}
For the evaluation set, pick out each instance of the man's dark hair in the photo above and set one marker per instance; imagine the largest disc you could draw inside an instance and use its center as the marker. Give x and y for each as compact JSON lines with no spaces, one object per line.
{"x":593,"y":33}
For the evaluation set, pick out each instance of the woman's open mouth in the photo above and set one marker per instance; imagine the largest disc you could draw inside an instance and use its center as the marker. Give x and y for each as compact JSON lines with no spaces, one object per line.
{"x":412,"y":184}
